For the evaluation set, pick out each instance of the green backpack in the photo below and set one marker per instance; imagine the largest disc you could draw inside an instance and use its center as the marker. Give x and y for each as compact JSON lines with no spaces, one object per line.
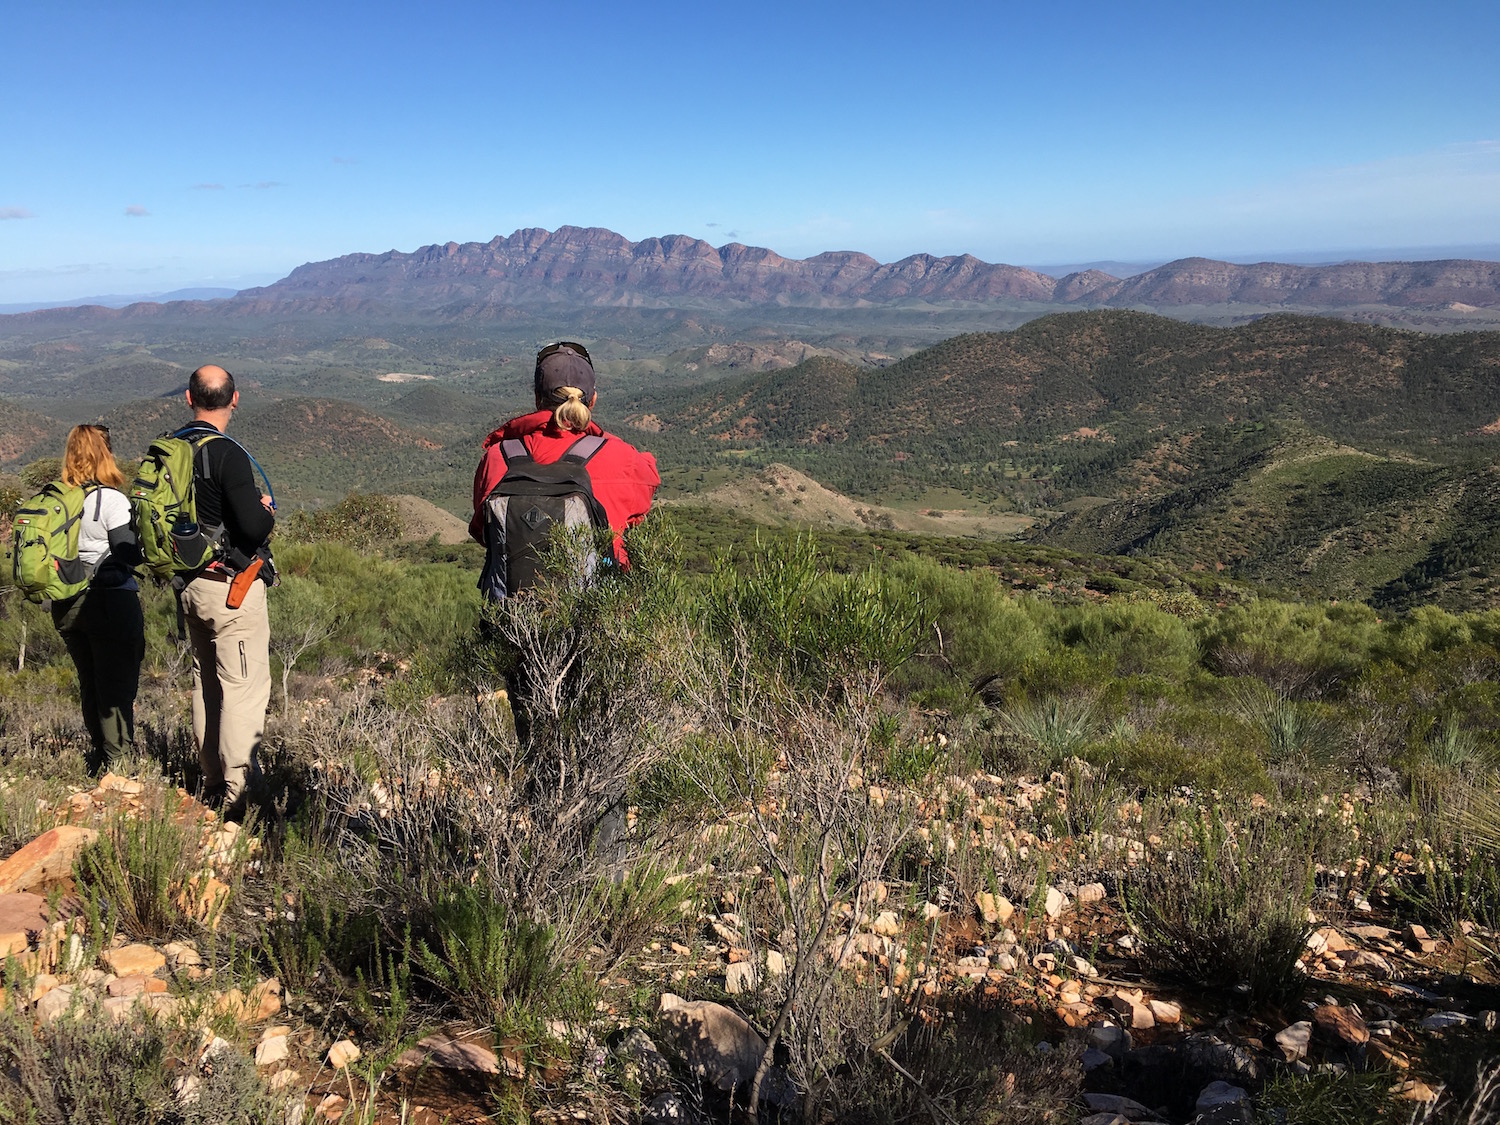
{"x":162,"y":498}
{"x":44,"y":544}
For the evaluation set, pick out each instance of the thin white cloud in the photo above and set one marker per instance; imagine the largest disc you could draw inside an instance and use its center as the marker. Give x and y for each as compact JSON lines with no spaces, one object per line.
{"x":267,"y":185}
{"x":136,"y":211}
{"x":16,"y":213}
{"x":208,"y":187}
{"x":345,"y":160}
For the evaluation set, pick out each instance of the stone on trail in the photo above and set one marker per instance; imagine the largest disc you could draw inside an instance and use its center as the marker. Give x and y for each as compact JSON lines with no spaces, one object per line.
{"x":1372,"y":964}
{"x":775,"y":962}
{"x":1340,"y":1025}
{"x":1294,"y":1040}
{"x":712,"y":1040}
{"x":264,"y":1000}
{"x":1441,"y":1021}
{"x":21,"y":915}
{"x":272,"y":1050}
{"x":342,"y":1053}
{"x":1056,"y":902}
{"x":281,"y":1080}
{"x":1221,"y":1104}
{"x":1166,"y":1012}
{"x":666,"y":1109}
{"x":641,"y":1061}
{"x":1416,"y":1090}
{"x":1104,"y":1119}
{"x":1093,"y":1059}
{"x":133,"y":960}
{"x":1418,"y":940}
{"x":739,"y":977}
{"x":451,"y":1054}
{"x":1117,"y":1104}
{"x":46,"y":859}
{"x":1091,"y":893}
{"x":994,"y":910}
{"x":60,"y":999}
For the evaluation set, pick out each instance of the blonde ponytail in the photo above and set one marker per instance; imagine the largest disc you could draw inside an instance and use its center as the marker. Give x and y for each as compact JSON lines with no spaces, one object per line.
{"x":572,"y":413}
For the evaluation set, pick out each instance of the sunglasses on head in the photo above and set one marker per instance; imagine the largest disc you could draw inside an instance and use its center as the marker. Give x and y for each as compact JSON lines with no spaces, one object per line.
{"x":561,"y":345}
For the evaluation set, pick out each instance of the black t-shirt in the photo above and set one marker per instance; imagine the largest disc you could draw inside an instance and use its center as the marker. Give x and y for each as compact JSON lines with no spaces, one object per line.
{"x":226,"y":492}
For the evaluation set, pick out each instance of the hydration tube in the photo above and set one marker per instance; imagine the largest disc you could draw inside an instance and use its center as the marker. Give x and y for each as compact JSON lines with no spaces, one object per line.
{"x":271,"y":492}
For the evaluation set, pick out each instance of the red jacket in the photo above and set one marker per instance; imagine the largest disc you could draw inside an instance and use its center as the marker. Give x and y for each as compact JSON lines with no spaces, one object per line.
{"x":624,"y":478}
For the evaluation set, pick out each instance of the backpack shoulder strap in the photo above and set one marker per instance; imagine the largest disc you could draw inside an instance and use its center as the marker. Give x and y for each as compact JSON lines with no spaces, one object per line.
{"x":514,"y":450}
{"x":583,"y":450}
{"x":199,"y":439}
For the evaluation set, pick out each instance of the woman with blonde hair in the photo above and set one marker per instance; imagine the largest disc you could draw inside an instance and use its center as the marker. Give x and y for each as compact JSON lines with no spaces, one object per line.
{"x":103,"y":627}
{"x":621,"y":478}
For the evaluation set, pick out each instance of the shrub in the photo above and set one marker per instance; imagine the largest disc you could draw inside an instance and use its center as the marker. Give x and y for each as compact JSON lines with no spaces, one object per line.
{"x":1227,"y":906}
{"x":88,"y":1067}
{"x":499,"y":966}
{"x":1058,"y":727}
{"x":149,"y":872}
{"x":359,"y":521}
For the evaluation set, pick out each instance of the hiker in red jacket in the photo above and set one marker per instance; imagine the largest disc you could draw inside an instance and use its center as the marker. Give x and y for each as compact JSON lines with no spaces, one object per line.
{"x":557,"y":444}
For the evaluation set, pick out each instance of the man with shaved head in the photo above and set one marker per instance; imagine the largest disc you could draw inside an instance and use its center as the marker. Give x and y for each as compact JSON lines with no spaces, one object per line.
{"x":231,"y":643}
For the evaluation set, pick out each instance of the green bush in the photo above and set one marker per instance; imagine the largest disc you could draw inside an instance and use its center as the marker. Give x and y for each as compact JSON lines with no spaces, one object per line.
{"x":1226,"y":907}
{"x":148,"y":872}
{"x":364,"y":522}
{"x":90,"y":1068}
{"x":497,"y":965}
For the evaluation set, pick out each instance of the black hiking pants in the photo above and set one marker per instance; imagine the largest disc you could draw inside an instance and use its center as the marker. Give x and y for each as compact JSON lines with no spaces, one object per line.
{"x":105,"y":633}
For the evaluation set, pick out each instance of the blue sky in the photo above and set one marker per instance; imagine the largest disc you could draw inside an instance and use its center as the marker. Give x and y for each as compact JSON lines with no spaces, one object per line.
{"x":149,"y":146}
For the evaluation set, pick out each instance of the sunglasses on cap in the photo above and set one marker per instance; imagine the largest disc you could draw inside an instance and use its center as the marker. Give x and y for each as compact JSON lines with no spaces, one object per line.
{"x":562,"y":345}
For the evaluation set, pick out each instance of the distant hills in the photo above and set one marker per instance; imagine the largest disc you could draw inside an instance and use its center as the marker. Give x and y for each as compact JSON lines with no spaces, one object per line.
{"x":590,"y":267}
{"x":1319,"y":455}
{"x":596,"y":266}
{"x":1103,"y":380}
{"x":120,"y":300}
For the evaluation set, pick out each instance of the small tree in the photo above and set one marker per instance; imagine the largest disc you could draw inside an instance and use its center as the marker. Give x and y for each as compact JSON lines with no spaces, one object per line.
{"x":301,"y":619}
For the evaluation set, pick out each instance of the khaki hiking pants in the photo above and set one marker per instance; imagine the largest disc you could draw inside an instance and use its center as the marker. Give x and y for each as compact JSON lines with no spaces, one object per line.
{"x":231,"y":681}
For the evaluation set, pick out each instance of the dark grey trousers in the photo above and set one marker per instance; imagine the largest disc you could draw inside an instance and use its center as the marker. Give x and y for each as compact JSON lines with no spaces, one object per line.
{"x":105,"y":633}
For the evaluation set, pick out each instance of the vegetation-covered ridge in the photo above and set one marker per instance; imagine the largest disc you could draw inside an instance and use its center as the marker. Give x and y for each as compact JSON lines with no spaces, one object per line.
{"x":1108,"y":377}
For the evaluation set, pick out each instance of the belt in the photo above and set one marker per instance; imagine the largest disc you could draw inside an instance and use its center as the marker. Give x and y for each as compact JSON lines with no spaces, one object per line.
{"x":214,"y":576}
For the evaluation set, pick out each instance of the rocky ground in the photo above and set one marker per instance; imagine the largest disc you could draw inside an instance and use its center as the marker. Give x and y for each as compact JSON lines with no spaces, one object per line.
{"x":1380,"y":998}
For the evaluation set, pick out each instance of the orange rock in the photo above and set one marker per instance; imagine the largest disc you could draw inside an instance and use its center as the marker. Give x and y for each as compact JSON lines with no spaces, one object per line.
{"x":133,"y":960}
{"x":230,"y":1003}
{"x":46,"y":859}
{"x":1340,"y":1025}
{"x":264,"y":1000}
{"x":126,"y":986}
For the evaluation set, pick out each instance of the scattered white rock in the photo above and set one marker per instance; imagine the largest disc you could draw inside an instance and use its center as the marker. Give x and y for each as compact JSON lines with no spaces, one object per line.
{"x":1441,"y":1021}
{"x":272,"y":1050}
{"x":1294,"y":1040}
{"x":739,"y":977}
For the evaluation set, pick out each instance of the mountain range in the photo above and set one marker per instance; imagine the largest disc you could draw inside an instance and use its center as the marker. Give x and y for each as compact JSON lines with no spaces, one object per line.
{"x":596,"y":268}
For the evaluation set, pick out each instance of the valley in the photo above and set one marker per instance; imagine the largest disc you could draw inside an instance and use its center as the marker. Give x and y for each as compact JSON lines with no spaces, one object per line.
{"x":1323,"y":456}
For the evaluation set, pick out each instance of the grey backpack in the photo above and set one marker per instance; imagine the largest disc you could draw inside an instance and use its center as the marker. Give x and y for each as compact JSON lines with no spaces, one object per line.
{"x":529,"y":501}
